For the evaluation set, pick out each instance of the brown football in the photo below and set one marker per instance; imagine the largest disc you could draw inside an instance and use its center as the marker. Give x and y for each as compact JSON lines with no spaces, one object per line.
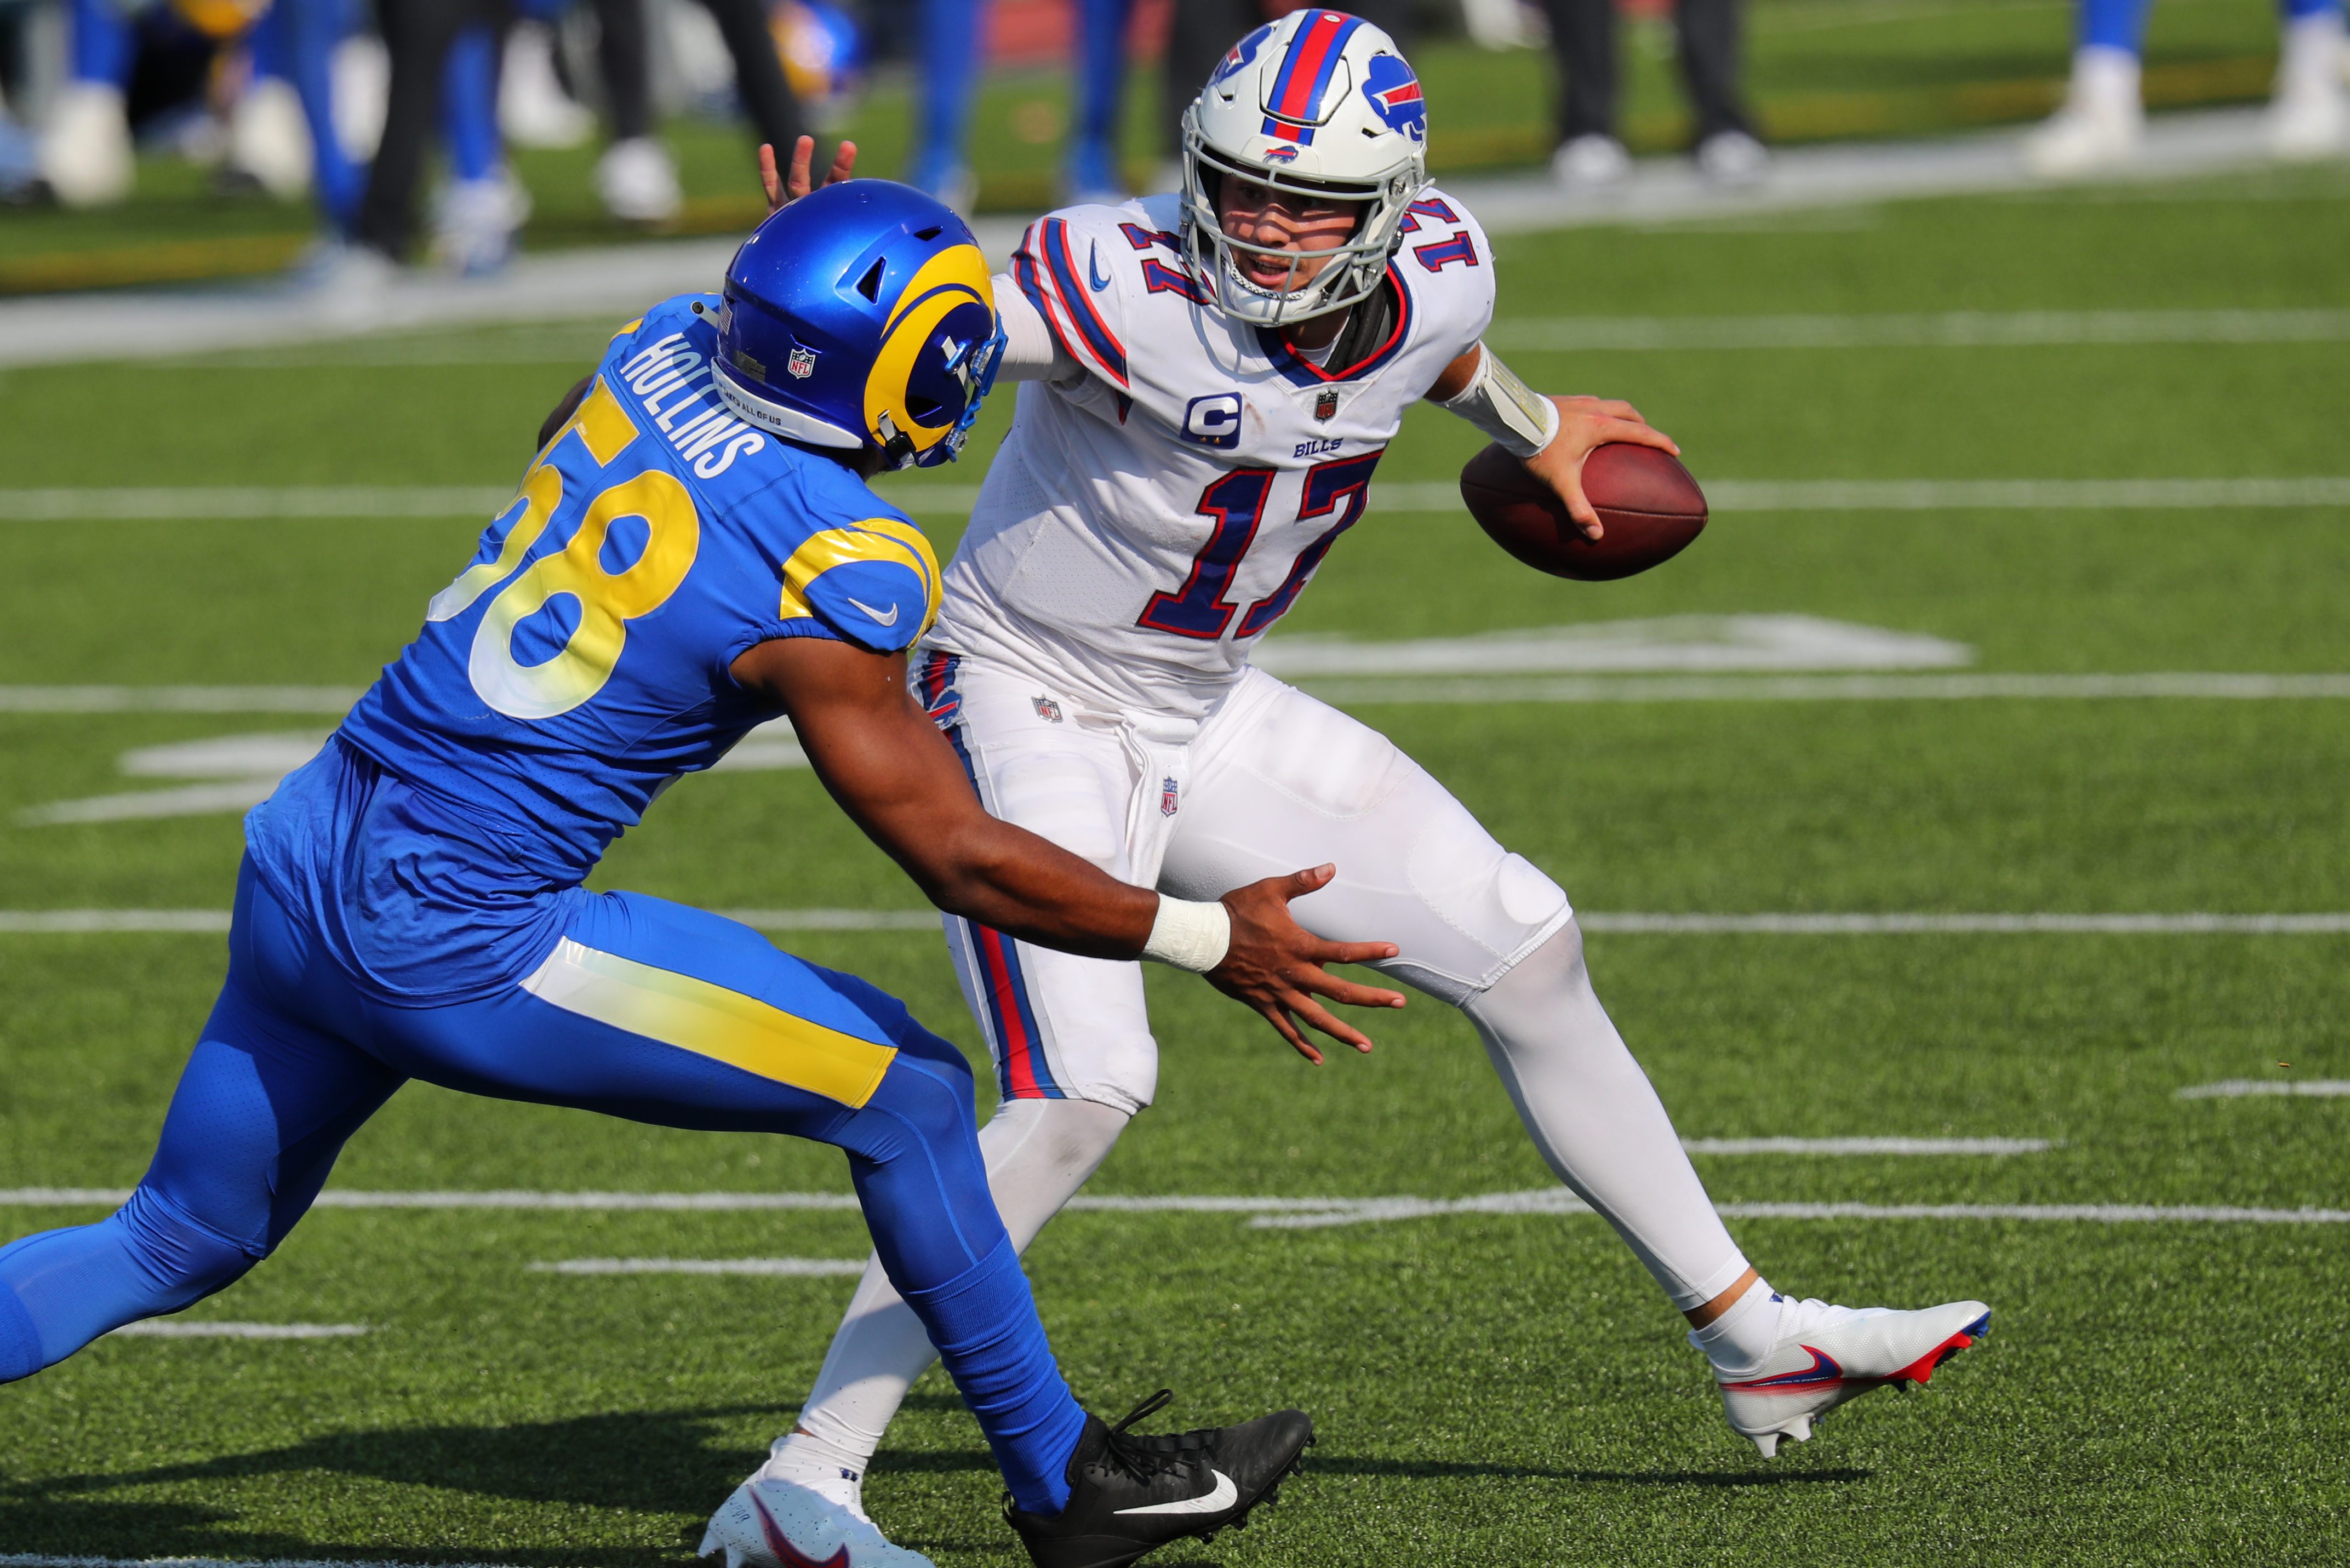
{"x":1650,"y":509}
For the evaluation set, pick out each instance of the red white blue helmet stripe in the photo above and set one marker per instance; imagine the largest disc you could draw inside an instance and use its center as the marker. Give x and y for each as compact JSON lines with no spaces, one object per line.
{"x":1293,"y":104}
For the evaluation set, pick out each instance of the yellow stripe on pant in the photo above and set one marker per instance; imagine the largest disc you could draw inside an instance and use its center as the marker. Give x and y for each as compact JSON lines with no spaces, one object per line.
{"x":711,"y":1021}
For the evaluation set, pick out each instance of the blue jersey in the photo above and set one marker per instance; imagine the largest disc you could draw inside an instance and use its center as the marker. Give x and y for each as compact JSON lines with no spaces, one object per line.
{"x":579,"y":665}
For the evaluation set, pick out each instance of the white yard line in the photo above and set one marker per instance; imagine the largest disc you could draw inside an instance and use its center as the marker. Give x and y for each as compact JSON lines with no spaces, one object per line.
{"x":1557,"y":1201}
{"x":80,"y":922}
{"x":2253,"y":1088}
{"x":334,"y":701}
{"x":1947,"y":329}
{"x":1678,"y":644}
{"x":1267,"y":1213}
{"x":1726,"y":495}
{"x":2016,"y":925}
{"x":2022,"y":494}
{"x":2227,"y":685}
{"x":76,"y":923}
{"x":789,"y":1268}
{"x":187,"y":800}
{"x":1868,"y":1145}
{"x":173,"y":1328}
{"x":2221,"y":686}
{"x":180,"y":502}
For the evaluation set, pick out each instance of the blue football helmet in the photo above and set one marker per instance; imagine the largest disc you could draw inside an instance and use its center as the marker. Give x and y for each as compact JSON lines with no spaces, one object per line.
{"x":860,"y":317}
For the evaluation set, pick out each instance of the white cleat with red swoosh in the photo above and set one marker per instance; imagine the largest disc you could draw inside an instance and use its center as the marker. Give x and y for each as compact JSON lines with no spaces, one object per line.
{"x":776,"y":1524}
{"x":1826,"y":1355}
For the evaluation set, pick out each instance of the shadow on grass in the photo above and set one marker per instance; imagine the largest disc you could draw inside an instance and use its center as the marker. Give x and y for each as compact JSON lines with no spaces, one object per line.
{"x":140,"y":1531}
{"x":945,"y":1461}
{"x":647,"y":1461}
{"x":1442,"y":1469}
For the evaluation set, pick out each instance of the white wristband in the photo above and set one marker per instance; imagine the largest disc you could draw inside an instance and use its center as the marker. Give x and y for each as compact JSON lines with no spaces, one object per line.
{"x":1190,"y":936}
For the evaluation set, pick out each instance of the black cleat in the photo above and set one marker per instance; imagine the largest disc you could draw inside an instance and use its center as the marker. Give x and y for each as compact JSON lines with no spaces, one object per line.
{"x":1129,"y":1495}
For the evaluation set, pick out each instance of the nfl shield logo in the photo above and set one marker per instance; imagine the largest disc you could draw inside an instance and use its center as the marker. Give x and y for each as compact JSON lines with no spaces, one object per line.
{"x":802,"y":363}
{"x":1167,"y":797}
{"x":1325,"y":405}
{"x":1046,"y":709}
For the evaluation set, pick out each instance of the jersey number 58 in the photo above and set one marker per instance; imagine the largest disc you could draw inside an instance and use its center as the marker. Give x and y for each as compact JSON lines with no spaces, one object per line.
{"x":607,"y":600}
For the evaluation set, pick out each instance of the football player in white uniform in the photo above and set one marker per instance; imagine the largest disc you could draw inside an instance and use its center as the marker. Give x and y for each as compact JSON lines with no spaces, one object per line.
{"x":1214,"y":377}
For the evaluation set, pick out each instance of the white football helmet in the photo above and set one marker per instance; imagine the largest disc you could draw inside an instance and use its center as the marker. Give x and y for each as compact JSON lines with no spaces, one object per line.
{"x":1319,"y":103}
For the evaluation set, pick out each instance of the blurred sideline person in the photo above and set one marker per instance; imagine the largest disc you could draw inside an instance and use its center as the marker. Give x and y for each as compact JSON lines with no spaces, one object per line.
{"x":1211,"y":380}
{"x":2102,"y":120}
{"x":482,"y":206}
{"x":1591,"y":154}
{"x":86,"y":157}
{"x":411,"y":903}
{"x":953,"y":56}
{"x":420,"y":35}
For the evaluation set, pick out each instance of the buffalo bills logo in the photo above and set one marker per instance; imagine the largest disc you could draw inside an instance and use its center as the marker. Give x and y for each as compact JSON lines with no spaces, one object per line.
{"x":1280,"y":152}
{"x":1242,"y":54}
{"x":1396,"y":97}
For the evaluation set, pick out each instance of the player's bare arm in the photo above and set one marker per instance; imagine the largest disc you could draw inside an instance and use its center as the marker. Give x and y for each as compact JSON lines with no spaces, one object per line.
{"x":894,"y":773}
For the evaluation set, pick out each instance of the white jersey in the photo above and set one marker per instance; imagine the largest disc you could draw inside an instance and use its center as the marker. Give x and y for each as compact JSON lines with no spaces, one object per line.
{"x":1146,"y":521}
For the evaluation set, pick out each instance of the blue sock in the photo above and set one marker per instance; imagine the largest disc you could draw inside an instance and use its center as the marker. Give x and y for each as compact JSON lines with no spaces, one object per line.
{"x":2301,"y":10}
{"x":101,"y":44}
{"x":469,"y":105}
{"x":61,"y":1289}
{"x":984,"y":1325}
{"x":951,"y":62}
{"x":2114,"y":25}
{"x":1101,"y":72}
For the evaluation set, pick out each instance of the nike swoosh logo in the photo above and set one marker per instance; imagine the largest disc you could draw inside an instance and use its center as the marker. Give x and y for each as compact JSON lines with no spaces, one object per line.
{"x":1823,"y":1369}
{"x":1216,"y":1501}
{"x":1093,"y":270}
{"x":889,"y":619}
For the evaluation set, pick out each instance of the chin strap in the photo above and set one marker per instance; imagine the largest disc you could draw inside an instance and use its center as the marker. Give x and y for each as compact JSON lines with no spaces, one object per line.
{"x":1505,"y":407}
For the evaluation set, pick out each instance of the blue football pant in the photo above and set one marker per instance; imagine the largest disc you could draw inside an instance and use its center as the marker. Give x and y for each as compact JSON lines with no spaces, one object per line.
{"x":296,"y":40}
{"x":951,"y":60}
{"x":647,"y":1009}
{"x":2121,"y":24}
{"x":1101,"y":80}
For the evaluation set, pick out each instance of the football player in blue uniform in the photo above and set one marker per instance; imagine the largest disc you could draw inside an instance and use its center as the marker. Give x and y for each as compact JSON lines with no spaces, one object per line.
{"x":692,"y":552}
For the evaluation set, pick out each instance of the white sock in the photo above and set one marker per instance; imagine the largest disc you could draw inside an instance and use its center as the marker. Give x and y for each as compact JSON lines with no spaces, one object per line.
{"x":1038,"y":1153}
{"x":1598,"y":1121}
{"x":805,"y":1459}
{"x":1740,"y":1337}
{"x":2106,"y":79}
{"x":2309,"y":56}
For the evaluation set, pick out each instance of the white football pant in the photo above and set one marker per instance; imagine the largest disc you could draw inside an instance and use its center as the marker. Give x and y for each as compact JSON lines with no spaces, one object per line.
{"x":1271,"y":782}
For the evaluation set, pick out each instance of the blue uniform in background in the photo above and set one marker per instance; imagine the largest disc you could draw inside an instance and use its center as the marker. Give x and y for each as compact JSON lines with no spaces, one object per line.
{"x":410,"y":904}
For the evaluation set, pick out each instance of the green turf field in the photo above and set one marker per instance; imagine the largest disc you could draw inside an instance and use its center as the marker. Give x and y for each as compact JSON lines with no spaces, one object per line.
{"x":1491,"y":1388}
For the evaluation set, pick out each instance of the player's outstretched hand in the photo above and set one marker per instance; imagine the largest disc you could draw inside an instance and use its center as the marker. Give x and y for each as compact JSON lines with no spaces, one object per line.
{"x":783,"y":190}
{"x":1274,"y":965}
{"x":1585,"y":424}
